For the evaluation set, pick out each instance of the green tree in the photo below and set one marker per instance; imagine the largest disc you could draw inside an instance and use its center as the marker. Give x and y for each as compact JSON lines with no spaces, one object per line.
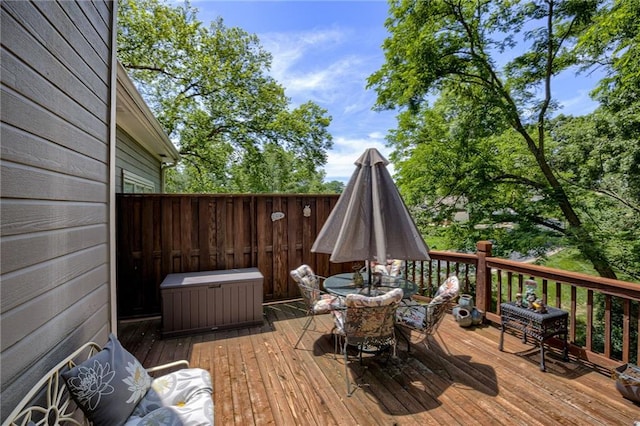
{"x":335,"y":187}
{"x":597,"y":164}
{"x":209,"y":87}
{"x":491,"y":120}
{"x":613,"y":43}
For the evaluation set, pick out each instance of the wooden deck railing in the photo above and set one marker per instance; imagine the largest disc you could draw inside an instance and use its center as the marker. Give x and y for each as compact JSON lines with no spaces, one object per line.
{"x":604,"y":314}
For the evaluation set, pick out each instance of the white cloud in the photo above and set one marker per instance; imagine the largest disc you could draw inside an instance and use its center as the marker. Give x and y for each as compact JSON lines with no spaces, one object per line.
{"x":323,"y":82}
{"x":377,"y":135}
{"x":359,"y":102}
{"x":353,"y":108}
{"x":341,"y":160}
{"x":571,"y":88}
{"x":288,"y":49}
{"x":318,"y":65}
{"x":580,"y":104}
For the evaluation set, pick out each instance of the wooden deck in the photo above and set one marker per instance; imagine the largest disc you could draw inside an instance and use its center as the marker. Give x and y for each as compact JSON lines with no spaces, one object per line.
{"x":462,"y":378}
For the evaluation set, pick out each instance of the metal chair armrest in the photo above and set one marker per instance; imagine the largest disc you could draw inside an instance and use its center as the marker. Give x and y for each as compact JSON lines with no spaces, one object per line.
{"x":183,"y":362}
{"x":423,"y":300}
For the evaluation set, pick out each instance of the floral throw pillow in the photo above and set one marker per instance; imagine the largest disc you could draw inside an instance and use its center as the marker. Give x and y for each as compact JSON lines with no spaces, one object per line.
{"x":109,"y":385}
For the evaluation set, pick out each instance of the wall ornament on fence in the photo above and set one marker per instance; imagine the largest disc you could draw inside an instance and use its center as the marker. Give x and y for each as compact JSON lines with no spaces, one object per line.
{"x":277,"y":216}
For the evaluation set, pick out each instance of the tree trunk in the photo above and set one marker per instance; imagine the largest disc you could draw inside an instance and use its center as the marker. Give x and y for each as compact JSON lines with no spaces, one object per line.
{"x":586,"y":244}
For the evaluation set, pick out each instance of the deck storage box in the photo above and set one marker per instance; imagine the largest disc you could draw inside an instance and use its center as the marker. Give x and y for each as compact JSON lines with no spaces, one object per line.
{"x":211,"y":300}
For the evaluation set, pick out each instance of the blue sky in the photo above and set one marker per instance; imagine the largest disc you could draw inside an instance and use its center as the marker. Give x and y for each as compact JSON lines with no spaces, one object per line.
{"x":324,"y":51}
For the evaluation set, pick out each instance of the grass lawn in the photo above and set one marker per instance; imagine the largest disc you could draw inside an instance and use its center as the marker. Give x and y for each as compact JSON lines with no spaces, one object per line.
{"x":435,"y":242}
{"x":568,"y":260}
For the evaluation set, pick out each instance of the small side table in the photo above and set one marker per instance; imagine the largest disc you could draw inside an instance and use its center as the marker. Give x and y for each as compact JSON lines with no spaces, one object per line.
{"x":539,"y":326}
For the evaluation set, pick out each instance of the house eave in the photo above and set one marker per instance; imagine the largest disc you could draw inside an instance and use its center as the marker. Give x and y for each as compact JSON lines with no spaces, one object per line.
{"x":135,"y":118}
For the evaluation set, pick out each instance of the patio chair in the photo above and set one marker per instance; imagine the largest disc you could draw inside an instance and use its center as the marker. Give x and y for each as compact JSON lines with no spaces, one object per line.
{"x":396,"y":267}
{"x":391,"y":267}
{"x":425,"y":315}
{"x":316,"y":301}
{"x":366,"y":323}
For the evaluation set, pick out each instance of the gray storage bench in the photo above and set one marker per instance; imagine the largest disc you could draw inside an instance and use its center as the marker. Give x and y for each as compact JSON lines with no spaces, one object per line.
{"x":211,"y":300}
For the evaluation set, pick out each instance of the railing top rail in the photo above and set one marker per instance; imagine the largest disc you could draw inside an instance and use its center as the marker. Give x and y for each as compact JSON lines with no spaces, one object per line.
{"x":604,"y":285}
{"x":453,"y":256}
{"x":225,"y":195}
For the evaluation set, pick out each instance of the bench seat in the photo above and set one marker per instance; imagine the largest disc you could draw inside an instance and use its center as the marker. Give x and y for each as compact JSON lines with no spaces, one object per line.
{"x":68,"y":392}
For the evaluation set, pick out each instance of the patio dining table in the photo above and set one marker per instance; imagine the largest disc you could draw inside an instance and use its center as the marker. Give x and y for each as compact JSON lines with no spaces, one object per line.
{"x":342,"y":285}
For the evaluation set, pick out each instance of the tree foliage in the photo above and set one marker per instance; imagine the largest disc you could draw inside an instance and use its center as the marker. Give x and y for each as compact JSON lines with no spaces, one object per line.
{"x":610,"y":164}
{"x":475,"y":126}
{"x":209,"y":87}
{"x":597,"y":164}
{"x":613,"y":42}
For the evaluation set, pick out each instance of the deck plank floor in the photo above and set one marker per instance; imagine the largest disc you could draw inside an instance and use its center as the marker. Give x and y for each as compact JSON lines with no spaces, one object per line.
{"x":461,"y":378}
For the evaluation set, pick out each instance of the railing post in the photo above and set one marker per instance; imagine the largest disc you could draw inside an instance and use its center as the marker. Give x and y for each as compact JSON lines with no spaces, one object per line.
{"x":483,"y":276}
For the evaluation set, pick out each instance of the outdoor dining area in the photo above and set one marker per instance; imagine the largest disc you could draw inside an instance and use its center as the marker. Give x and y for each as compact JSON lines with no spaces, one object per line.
{"x":369,"y":222}
{"x":363,"y":347}
{"x":366,"y":313}
{"x":367,"y":346}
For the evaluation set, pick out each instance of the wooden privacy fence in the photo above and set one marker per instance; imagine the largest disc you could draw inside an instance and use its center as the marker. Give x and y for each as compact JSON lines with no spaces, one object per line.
{"x":160,"y":234}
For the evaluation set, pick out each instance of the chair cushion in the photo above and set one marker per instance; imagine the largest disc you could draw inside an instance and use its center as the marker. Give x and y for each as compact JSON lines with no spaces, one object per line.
{"x":359,"y":301}
{"x":305,"y":271}
{"x":179,"y":398}
{"x":310,"y":292}
{"x":338,"y":319}
{"x":449,"y":288}
{"x":108,"y":386}
{"x":411,"y":314}
{"x":307,"y":283}
{"x":396,"y":267}
{"x":388,"y":298}
{"x":326,"y":303}
{"x":421,"y":315}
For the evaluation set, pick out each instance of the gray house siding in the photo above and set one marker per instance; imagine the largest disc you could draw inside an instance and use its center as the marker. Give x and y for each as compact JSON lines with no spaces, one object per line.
{"x":55,"y":185}
{"x":132,"y":157}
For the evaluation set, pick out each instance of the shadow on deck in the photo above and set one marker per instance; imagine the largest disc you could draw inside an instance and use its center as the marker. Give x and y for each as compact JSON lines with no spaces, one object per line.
{"x":460,"y":378}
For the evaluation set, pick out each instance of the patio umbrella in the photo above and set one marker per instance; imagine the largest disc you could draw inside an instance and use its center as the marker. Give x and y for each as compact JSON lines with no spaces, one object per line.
{"x":370,"y":220}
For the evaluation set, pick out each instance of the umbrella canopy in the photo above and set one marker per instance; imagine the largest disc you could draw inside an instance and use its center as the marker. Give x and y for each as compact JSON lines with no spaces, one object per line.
{"x":370,"y":220}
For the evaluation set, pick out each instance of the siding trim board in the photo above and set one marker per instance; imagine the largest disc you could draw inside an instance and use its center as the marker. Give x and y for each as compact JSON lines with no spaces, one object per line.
{"x":23,"y":114}
{"x":113,"y":28}
{"x":35,"y":151}
{"x":63,"y":45}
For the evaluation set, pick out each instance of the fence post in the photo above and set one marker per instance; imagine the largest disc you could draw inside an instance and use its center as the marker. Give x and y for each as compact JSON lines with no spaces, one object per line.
{"x":483,"y":276}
